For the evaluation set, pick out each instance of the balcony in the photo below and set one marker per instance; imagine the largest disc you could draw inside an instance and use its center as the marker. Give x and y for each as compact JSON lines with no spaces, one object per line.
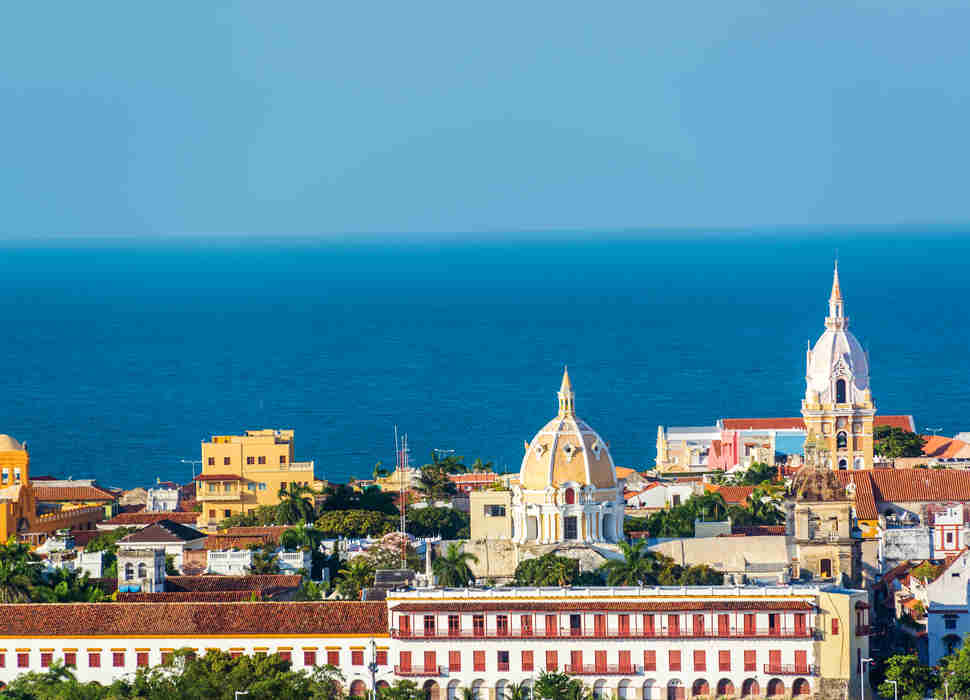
{"x":207,"y":496}
{"x":602,"y":669}
{"x":419,"y":670}
{"x":609,"y":633}
{"x":296,"y":467}
{"x":791,"y":670}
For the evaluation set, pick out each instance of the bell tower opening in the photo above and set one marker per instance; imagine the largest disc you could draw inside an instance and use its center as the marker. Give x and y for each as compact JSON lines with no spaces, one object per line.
{"x":840,"y":391}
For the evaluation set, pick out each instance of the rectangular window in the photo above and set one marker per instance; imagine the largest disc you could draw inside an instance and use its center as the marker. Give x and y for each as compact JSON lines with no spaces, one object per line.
{"x":552,"y":660}
{"x":649,"y":660}
{"x":552,"y":626}
{"x":749,"y":624}
{"x":673,"y":660}
{"x":213,"y":486}
{"x":495,"y":511}
{"x":527,"y":664}
{"x":773,"y":623}
{"x":724,"y":661}
{"x":478,"y":625}
{"x":227,"y":513}
{"x":285,"y":655}
{"x":211,"y":461}
{"x":250,"y":460}
{"x":625,"y":663}
{"x":429,"y":625}
{"x":252,"y":487}
{"x":801,"y":662}
{"x":800,"y":619}
{"x":118,"y":659}
{"x":333,"y":658}
{"x":3,"y":660}
{"x":226,"y":460}
{"x":262,"y":459}
{"x":723,"y":625}
{"x":23,"y":660}
{"x":405,"y":660}
{"x":70,"y":659}
{"x":478,"y":660}
{"x":599,"y":661}
{"x":167,"y":657}
{"x":212,"y":514}
{"x":526,"y":625}
{"x":835,"y":625}
{"x":949,"y":538}
{"x":141,"y":658}
{"x":576,"y":660}
{"x":94,"y":659}
{"x":45,"y":659}
{"x":502,"y":625}
{"x":700,"y":660}
{"x":282,"y":459}
{"x":404,"y":623}
{"x":575,"y":625}
{"x":430,"y":662}
{"x":623,"y":623}
{"x":750,"y":660}
{"x":502,"y":658}
{"x":774,"y":659}
{"x":356,"y":657}
{"x":673,"y":625}
{"x":454,"y":624}
{"x":599,"y":625}
{"x":454,"y":661}
{"x":309,"y":658}
{"x":262,"y":485}
{"x":648,"y":628}
{"x":382,"y":657}
{"x":698,"y":625}
{"x":949,"y":622}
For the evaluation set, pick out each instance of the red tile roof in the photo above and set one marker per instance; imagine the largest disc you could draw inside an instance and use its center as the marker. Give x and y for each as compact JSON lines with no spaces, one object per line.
{"x":606,"y":605}
{"x":164,"y":531}
{"x":192,"y":619}
{"x":189,"y":596}
{"x":147,"y":518}
{"x":218,"y":477}
{"x":758,"y":530}
{"x":939,"y":446}
{"x":905,"y":485}
{"x":475,"y":478}
{"x":273,"y":531}
{"x":732,"y":494}
{"x":72,"y":493}
{"x":904,"y":422}
{"x":255,"y":582}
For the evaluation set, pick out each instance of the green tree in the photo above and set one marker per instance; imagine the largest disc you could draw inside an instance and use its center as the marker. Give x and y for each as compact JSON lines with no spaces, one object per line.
{"x":357,"y":574}
{"x":558,"y":686}
{"x":893,"y":442}
{"x":306,"y":539}
{"x":16,"y":581}
{"x":709,"y":507}
{"x":355,"y":523}
{"x":927,"y":571}
{"x":638,"y":567}
{"x":402,"y":690}
{"x":915,"y":680}
{"x":107,"y":542}
{"x":264,"y":561}
{"x":450,"y":523}
{"x":452,"y":569}
{"x":260,"y":516}
{"x":701,"y":575}
{"x":433,"y":483}
{"x":296,"y":504}
{"x":516,"y":691}
{"x":63,"y":586}
{"x":342,"y":497}
{"x":547,"y":570}
{"x":480,"y":467}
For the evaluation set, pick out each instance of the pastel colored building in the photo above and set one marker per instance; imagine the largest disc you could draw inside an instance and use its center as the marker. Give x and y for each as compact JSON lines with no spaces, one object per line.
{"x":242,"y":472}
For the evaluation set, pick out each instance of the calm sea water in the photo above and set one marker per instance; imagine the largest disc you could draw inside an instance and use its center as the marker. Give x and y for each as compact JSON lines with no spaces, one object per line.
{"x":117,"y":360}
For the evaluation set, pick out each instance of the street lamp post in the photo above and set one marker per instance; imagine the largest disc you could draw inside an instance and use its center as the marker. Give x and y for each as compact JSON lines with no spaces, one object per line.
{"x":862,"y":678}
{"x":192,"y":463}
{"x":372,"y":667}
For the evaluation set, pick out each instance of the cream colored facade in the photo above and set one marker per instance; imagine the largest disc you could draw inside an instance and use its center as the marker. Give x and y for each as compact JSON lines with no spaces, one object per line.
{"x":490,"y":515}
{"x":242,"y":472}
{"x":838,"y":407}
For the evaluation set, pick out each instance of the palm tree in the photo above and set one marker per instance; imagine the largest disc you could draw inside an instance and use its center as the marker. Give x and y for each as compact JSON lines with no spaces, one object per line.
{"x":452,"y":570}
{"x":357,"y":574}
{"x":516,"y":691}
{"x":479,"y":467}
{"x":294,"y":507}
{"x":467,"y":694}
{"x":380,"y":472}
{"x":433,"y":483}
{"x":710,"y":506}
{"x":301,"y":537}
{"x":637,"y":568}
{"x":15,"y":582}
{"x":264,"y":562}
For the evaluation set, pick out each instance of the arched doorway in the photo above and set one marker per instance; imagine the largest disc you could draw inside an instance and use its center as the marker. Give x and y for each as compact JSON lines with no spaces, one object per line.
{"x":843,"y":464}
{"x":382,"y":687}
{"x":358,"y":689}
{"x":825,"y":568}
{"x":675,"y":690}
{"x":432,"y":691}
{"x":841,"y":440}
{"x":725,"y":688}
{"x":800,"y":687}
{"x":650,"y":690}
{"x":750,"y":688}
{"x":776,"y":687}
{"x":700,"y":687}
{"x":599,"y":690}
{"x":623,"y":690}
{"x":453,"y":690}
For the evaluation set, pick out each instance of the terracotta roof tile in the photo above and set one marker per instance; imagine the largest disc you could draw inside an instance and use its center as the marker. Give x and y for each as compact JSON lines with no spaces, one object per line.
{"x":758,"y":530}
{"x":255,"y":582}
{"x":147,"y":518}
{"x":797,"y":423}
{"x":71,"y":493}
{"x":188,"y":596}
{"x":218,"y":477}
{"x":192,"y":619}
{"x":733,"y":494}
{"x":606,"y":605}
{"x":942,"y":447}
{"x":164,"y":531}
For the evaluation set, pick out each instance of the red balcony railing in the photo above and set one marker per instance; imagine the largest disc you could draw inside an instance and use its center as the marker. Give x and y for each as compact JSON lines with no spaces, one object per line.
{"x":791,"y":669}
{"x":419,"y":670}
{"x":503,"y":665}
{"x":612,"y":633}
{"x":602,"y":669}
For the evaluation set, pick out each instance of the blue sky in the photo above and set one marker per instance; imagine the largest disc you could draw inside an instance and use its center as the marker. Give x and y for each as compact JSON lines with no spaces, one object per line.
{"x":417,"y":118}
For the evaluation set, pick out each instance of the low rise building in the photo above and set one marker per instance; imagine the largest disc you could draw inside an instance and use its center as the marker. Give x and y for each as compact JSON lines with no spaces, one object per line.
{"x":170,"y":537}
{"x":162,"y":497}
{"x":948,"y":619}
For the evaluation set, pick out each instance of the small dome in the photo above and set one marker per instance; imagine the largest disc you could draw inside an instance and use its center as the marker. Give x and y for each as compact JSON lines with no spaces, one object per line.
{"x":817,"y":484}
{"x":7,"y":443}
{"x":567,"y":450}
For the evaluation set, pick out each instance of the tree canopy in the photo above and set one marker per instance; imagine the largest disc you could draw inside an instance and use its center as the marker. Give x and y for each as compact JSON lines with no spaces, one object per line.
{"x":893,"y":442}
{"x":450,"y":523}
{"x":355,"y":523}
{"x":452,"y":569}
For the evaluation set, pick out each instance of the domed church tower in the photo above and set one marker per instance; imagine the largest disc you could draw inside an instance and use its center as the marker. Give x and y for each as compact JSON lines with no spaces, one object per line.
{"x":838,"y":408}
{"x":568,"y":490}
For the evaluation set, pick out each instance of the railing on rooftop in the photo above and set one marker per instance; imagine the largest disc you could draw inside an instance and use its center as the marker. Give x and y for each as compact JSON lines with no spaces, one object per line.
{"x":791,"y":669}
{"x":601,"y":669}
{"x":419,"y":670}
{"x":608,"y":633}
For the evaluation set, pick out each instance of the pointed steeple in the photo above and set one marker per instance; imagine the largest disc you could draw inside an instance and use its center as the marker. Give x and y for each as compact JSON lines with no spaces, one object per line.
{"x":836,"y":318}
{"x":567,"y":398}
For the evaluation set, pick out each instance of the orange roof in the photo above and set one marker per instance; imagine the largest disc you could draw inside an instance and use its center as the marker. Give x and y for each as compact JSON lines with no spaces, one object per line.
{"x":942,"y":447}
{"x":473,"y":477}
{"x":902,"y":485}
{"x":215,"y":583}
{"x":624,"y":472}
{"x":904,"y":422}
{"x":182,"y":620}
{"x":732,"y":494}
{"x":147,"y":518}
{"x":71,"y":493}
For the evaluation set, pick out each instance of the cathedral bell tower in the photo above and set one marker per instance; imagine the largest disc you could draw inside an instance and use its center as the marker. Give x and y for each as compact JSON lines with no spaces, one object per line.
{"x":838,"y":408}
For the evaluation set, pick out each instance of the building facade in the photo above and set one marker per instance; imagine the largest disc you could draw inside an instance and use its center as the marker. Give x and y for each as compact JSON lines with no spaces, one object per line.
{"x":242,"y":472}
{"x":635,"y":643}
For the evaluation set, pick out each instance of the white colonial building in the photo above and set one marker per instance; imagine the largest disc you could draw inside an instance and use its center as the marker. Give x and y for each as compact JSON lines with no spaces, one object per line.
{"x":947,"y":619}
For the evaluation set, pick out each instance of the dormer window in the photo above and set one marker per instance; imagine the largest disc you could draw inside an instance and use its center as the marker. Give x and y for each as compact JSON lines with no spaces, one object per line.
{"x":570,"y":450}
{"x":539,"y":449}
{"x":597,"y":447}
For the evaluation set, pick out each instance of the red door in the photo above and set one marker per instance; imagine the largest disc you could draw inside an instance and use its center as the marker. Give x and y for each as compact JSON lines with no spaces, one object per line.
{"x":599,"y":625}
{"x":723,"y":625}
{"x":801,"y":662}
{"x":599,"y":659}
{"x":800,"y":624}
{"x":774,"y":660}
{"x":749,"y":624}
{"x":430,"y":662}
{"x":673,"y":625}
{"x":405,"y":661}
{"x":405,"y":625}
{"x":698,"y":625}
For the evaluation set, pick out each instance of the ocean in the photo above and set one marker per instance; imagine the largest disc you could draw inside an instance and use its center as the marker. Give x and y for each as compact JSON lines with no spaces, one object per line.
{"x":120,"y":357}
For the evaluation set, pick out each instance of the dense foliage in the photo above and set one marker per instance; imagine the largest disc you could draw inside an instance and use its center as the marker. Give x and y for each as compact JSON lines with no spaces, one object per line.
{"x":452,"y":569}
{"x":892,"y":442}
{"x":763,"y":508}
{"x":24,"y":580}
{"x":756,"y":473}
{"x":107,"y":542}
{"x":355,"y":523}
{"x":450,"y":523}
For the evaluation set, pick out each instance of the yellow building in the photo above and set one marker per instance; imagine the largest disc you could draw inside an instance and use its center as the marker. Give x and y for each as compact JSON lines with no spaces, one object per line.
{"x":838,"y":408}
{"x":16,"y":496}
{"x":242,"y":472}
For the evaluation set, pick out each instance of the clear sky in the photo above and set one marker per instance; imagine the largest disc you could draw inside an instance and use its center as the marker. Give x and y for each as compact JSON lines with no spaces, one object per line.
{"x":327,"y":118}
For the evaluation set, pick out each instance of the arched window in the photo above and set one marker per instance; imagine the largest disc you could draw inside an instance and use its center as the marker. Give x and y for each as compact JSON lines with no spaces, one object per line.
{"x":129,"y":571}
{"x":142,"y":570}
{"x":825,"y":568}
{"x":840,"y":391}
{"x":841,"y":440}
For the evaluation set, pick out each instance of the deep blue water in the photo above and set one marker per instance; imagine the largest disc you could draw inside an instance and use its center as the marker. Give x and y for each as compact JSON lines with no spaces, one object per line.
{"x":117,"y":360}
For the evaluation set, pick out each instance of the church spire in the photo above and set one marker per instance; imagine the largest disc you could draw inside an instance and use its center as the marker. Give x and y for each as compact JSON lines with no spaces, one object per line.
{"x":836,"y":319}
{"x":567,"y":398}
